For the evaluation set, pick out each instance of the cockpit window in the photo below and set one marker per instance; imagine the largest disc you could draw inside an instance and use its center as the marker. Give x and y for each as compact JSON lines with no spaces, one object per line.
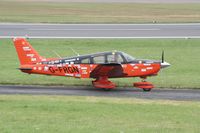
{"x":128,"y":57}
{"x":85,"y":61}
{"x":99,"y":59}
{"x":115,"y":58}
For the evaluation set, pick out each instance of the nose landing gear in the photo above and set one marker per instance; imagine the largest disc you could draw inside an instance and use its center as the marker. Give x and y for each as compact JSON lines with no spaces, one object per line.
{"x":146,"y":86}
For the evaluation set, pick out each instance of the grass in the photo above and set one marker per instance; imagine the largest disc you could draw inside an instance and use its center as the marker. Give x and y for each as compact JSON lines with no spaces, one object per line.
{"x":50,"y":114}
{"x":58,"y":12}
{"x":183,"y":54}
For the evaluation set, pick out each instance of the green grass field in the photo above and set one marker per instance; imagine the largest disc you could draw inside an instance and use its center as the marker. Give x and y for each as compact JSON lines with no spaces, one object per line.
{"x":182,"y":54}
{"x":58,"y":12}
{"x":50,"y":114}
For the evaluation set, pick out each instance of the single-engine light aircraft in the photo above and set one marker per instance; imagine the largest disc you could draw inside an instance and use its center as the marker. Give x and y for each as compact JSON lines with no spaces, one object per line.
{"x":99,"y":66}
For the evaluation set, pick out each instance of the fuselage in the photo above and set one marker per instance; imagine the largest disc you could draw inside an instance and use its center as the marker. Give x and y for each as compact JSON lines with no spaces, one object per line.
{"x":82,"y":66}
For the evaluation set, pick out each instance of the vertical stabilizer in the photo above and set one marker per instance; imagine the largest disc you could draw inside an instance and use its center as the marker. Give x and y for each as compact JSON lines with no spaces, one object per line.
{"x":26,"y":53}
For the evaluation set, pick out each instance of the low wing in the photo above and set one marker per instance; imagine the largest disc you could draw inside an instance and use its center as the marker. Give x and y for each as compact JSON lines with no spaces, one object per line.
{"x":109,"y":70}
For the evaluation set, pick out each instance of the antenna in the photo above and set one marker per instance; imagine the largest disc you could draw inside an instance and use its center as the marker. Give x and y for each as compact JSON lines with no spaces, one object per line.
{"x":56,"y":53}
{"x":74,"y":51}
{"x":26,"y":36}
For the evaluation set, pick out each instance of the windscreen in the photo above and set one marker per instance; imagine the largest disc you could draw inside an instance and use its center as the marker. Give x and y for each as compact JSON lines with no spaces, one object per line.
{"x":128,"y":57}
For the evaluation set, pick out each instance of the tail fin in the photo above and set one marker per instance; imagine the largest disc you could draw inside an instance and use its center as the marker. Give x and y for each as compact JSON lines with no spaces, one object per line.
{"x":26,"y":53}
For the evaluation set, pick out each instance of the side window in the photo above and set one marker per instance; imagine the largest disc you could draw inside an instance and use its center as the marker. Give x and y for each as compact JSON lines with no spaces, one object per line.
{"x":99,"y":59}
{"x":115,"y":58}
{"x":77,"y":62}
{"x":85,"y":61}
{"x":110,"y":58}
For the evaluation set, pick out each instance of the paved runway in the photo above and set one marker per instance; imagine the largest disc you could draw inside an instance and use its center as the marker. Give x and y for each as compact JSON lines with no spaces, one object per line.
{"x":100,"y":30}
{"x":123,"y":1}
{"x":168,"y":94}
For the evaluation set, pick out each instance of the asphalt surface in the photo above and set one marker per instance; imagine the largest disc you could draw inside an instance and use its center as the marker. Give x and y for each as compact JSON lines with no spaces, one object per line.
{"x":122,"y":1}
{"x":166,"y":94}
{"x":100,"y":30}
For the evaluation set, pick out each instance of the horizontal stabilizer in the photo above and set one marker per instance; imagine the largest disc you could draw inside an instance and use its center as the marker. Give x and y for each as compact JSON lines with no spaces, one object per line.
{"x":25,"y":68}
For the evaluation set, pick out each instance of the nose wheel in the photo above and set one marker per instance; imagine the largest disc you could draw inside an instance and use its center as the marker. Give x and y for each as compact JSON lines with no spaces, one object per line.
{"x":145,"y":89}
{"x":146,"y":86}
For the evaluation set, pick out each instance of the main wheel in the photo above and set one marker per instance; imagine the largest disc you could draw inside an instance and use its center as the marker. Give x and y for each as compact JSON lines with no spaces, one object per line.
{"x":107,"y":89}
{"x":146,"y":89}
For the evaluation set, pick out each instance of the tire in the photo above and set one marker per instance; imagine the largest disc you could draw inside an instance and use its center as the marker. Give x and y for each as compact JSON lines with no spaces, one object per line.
{"x":146,"y":89}
{"x":107,"y":89}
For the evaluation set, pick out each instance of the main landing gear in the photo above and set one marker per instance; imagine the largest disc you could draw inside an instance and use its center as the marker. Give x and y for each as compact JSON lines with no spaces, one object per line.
{"x":146,"y":86}
{"x":104,"y":83}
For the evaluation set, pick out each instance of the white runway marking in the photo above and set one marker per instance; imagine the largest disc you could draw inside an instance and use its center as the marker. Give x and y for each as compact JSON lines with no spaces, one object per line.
{"x":63,"y":37}
{"x":150,"y":24}
{"x":94,"y":29}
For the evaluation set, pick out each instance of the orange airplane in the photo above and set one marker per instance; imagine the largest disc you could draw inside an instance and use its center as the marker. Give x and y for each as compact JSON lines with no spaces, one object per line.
{"x":99,"y":66}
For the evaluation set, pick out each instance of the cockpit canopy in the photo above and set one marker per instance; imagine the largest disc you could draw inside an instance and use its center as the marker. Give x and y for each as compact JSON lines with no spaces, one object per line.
{"x":107,"y":58}
{"x":98,"y":58}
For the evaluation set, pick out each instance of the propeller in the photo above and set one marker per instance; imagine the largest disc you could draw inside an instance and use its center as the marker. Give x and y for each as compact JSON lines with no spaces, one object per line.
{"x":162,"y":60}
{"x":163,"y":63}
